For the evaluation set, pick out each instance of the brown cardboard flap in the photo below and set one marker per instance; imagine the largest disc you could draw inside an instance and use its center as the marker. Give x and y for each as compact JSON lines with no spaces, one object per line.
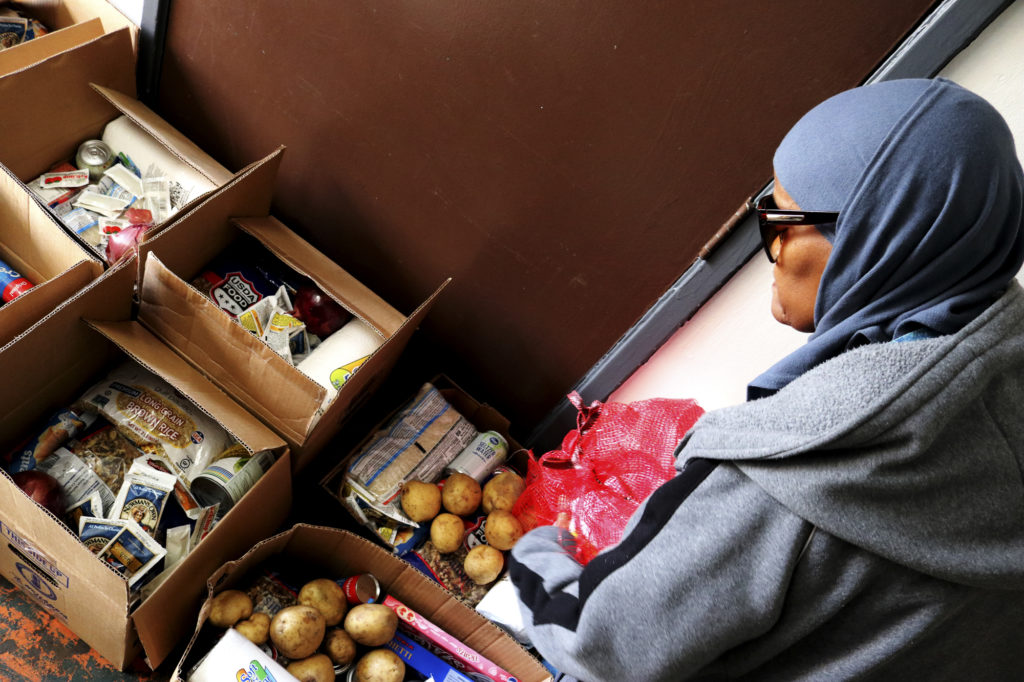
{"x":176,"y":143}
{"x":70,"y":12}
{"x":234,"y":359}
{"x":302,"y":257}
{"x":149,"y":351}
{"x":201,"y":230}
{"x":29,"y":109}
{"x":26,"y":54}
{"x":46,"y":343}
{"x":34,"y":305}
{"x":169,"y":614}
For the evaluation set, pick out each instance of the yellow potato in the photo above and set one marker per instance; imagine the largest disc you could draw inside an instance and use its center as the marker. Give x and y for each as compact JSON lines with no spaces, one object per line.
{"x":297,"y":631}
{"x":380,"y":665}
{"x":229,"y":607}
{"x":461,"y":494}
{"x":446,"y":532}
{"x":339,"y":646}
{"x":256,"y":629}
{"x":483,"y":564}
{"x":326,"y":596}
{"x":371,"y":624}
{"x":421,"y":501}
{"x":502,"y":529}
{"x":316,"y":668}
{"x":502,"y":491}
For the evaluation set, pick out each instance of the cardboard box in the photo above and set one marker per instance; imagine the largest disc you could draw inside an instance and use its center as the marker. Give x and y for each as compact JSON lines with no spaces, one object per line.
{"x":32,"y":243}
{"x":70,"y":23}
{"x":284,"y":398}
{"x":48,"y":110}
{"x":338,"y":554}
{"x":49,"y":367}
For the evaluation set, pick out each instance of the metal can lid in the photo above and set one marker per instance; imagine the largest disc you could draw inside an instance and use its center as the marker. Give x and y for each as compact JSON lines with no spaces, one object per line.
{"x":361,"y":589}
{"x":94,"y":152}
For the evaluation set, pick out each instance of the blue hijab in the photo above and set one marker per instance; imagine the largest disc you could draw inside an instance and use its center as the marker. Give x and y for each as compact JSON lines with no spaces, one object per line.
{"x":930,"y":193}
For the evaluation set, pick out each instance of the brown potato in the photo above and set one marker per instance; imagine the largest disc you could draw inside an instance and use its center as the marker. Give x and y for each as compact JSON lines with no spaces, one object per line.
{"x":339,"y":646}
{"x":483,"y":564}
{"x":502,"y":529}
{"x":256,"y":629}
{"x":380,"y":665}
{"x":502,"y":491}
{"x":421,"y":501}
{"x":461,"y":494}
{"x":297,"y":631}
{"x":446,"y":532}
{"x":326,"y":596}
{"x":229,"y":607}
{"x":371,"y":624}
{"x":316,"y":668}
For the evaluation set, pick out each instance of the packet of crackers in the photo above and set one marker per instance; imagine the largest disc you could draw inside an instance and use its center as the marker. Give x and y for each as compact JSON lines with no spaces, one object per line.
{"x":418,"y":442}
{"x":157,"y":419}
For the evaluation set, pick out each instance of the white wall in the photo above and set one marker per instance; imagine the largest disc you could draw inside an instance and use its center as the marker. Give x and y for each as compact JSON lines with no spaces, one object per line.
{"x":733,"y":337}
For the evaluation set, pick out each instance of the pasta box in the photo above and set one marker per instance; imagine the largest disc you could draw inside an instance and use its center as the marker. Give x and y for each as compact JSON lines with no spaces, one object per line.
{"x":337,"y":554}
{"x":295,"y":405}
{"x":52,"y":364}
{"x":69,"y":23}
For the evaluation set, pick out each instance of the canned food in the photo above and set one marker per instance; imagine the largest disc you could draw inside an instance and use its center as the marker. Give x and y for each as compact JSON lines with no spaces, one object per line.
{"x":225,"y":481}
{"x":12,"y":284}
{"x":94,"y":156}
{"x":481,"y":456}
{"x":361,"y":589}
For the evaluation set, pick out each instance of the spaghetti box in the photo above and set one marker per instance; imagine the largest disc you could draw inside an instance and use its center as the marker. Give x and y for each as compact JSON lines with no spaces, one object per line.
{"x":53,"y":363}
{"x":422,"y":661}
{"x":69,"y":23}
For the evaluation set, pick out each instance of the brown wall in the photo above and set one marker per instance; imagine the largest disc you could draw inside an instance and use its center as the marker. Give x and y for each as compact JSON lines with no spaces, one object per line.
{"x":563,"y":161}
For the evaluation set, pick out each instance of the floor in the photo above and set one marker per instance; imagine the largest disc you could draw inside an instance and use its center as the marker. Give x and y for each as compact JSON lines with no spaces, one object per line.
{"x":36,"y":646}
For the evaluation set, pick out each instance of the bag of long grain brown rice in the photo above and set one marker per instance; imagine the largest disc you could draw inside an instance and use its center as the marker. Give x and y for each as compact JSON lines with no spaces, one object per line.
{"x":156,"y":418}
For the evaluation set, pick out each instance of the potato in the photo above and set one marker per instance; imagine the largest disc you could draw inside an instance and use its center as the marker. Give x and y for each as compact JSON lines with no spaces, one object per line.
{"x":297,"y":631}
{"x":316,"y":668}
{"x":256,"y":629}
{"x":461,"y":494}
{"x":446,"y":532}
{"x":421,"y":501}
{"x":339,"y":646}
{"x":371,"y":624}
{"x":380,"y":665}
{"x":502,"y":529}
{"x":327,"y":597}
{"x":229,"y":607}
{"x":502,"y":491}
{"x":483,"y":564}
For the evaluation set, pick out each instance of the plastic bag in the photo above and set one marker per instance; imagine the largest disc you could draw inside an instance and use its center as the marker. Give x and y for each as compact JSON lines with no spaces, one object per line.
{"x":617,"y":455}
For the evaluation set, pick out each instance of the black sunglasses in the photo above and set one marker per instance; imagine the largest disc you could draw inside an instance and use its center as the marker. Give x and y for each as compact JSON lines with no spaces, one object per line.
{"x":773,"y":221}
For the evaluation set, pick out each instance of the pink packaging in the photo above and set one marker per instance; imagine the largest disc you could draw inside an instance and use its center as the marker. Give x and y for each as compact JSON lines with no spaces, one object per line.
{"x":448,"y":647}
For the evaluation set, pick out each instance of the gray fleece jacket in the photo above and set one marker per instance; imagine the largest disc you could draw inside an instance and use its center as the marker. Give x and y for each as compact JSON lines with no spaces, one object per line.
{"x":865,"y":522}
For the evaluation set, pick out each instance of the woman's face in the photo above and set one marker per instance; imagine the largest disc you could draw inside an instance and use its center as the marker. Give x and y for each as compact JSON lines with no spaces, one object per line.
{"x":802,"y":255}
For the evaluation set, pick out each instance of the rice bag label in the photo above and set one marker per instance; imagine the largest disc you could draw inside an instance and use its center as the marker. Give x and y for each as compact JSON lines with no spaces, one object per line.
{"x":157,"y":417}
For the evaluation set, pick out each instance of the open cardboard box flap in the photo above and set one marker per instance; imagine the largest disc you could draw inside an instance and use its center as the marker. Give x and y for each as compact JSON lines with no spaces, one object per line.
{"x":38,"y":248}
{"x":36,"y":50}
{"x":28,"y":102}
{"x":176,"y":143}
{"x":340,"y":554}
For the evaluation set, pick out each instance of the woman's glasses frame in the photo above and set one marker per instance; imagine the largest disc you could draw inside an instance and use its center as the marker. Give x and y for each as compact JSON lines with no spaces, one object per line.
{"x":772,"y":221}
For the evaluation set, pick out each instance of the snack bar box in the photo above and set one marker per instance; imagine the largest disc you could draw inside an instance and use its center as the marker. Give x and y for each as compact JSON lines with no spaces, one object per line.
{"x":340,"y":554}
{"x":51,"y":365}
{"x":70,"y":23}
{"x":49,"y":109}
{"x":34,"y":245}
{"x":286,"y":399}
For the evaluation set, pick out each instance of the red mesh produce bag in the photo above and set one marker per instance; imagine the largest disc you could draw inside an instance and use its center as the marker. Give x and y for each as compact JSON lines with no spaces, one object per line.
{"x":614,"y":458}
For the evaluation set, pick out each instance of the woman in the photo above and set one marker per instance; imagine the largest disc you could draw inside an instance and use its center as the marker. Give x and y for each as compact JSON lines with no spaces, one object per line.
{"x":862,"y":516}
